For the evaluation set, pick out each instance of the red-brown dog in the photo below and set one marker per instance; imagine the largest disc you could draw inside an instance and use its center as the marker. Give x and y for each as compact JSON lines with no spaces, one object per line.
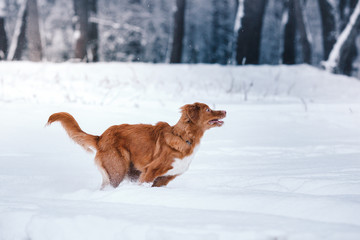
{"x":148,"y":153}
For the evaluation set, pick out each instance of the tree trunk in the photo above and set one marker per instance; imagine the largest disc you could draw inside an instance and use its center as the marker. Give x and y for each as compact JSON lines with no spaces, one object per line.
{"x":346,"y":7}
{"x":93,"y":39}
{"x":215,"y":27}
{"x":296,"y":21}
{"x":327,"y":13}
{"x":338,"y":56}
{"x":81,"y":28}
{"x":134,"y":47}
{"x":18,"y":40}
{"x":3,"y":38}
{"x":303,"y":31}
{"x":249,"y":34}
{"x":220,"y":32}
{"x":33,"y":32}
{"x":179,"y":26}
{"x":237,"y":24}
{"x":288,"y":56}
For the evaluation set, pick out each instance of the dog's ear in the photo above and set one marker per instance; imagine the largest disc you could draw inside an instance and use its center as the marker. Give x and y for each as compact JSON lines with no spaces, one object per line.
{"x":191,"y":111}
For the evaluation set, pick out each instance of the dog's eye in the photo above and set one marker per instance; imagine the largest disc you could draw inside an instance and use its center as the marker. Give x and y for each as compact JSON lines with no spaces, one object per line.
{"x":208,"y":110}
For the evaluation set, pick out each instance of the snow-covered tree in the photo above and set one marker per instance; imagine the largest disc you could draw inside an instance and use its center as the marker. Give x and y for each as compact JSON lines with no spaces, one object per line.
{"x":81,"y":22}
{"x":178,"y":33}
{"x":221,"y":32}
{"x":249,"y":21}
{"x":272,"y":36}
{"x":264,"y":32}
{"x":33,"y":32}
{"x":157,"y":31}
{"x":337,"y":61}
{"x":57,"y":32}
{"x":3,"y":37}
{"x":296,"y":23}
{"x":134,"y":47}
{"x":197,"y":35}
{"x":123,"y":26}
{"x":93,"y":33}
{"x":289,"y":24}
{"x":328,"y":20}
{"x":346,"y":7}
{"x":18,"y":39}
{"x":304,"y":34}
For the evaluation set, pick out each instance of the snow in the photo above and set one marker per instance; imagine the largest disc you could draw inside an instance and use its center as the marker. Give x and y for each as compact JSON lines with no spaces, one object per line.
{"x":285,"y":165}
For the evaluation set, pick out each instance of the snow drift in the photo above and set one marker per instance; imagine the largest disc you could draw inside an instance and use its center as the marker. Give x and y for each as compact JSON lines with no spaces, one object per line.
{"x":121,"y":83}
{"x":284,"y":166}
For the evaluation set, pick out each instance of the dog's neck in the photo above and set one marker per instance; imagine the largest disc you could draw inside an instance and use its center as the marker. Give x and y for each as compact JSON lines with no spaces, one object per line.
{"x":188,"y":132}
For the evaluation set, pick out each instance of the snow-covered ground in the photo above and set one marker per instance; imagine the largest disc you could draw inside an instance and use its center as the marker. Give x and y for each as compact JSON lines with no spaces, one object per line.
{"x":284,"y":166}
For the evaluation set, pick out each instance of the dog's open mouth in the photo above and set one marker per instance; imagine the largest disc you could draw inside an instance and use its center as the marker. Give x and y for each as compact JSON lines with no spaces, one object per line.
{"x":216,"y":122}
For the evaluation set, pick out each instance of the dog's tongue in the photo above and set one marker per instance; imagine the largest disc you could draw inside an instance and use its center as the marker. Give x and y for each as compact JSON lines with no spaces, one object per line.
{"x":217,"y":122}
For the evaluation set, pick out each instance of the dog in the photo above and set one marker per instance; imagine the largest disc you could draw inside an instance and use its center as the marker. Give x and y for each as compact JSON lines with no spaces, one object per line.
{"x":145,"y":153}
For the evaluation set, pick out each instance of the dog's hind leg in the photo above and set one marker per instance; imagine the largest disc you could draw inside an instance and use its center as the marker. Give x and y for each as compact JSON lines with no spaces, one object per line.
{"x":112,"y":165}
{"x":104,"y":174}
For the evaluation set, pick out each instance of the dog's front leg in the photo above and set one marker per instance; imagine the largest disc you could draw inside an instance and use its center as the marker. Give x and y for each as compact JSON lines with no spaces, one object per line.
{"x":147,"y":176}
{"x":177,"y":143}
{"x":151,"y":173}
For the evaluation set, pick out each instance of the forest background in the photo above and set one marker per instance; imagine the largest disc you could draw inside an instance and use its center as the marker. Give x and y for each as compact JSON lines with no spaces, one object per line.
{"x":322,"y":33}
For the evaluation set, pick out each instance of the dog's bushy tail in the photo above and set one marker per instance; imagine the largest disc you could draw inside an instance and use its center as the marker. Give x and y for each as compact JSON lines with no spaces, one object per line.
{"x":87,"y":141}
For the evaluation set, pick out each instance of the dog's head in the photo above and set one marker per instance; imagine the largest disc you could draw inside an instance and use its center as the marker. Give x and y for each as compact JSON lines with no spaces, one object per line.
{"x":200,"y":115}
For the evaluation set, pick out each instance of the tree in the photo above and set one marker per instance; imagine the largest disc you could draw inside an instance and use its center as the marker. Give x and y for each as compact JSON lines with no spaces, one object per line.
{"x":346,"y":7}
{"x":3,"y":38}
{"x":327,"y":13}
{"x":18,"y":40}
{"x":178,"y":35}
{"x":338,"y":57}
{"x":237,"y":24}
{"x":133,"y":46}
{"x":93,"y":39}
{"x":272,"y":36}
{"x":249,"y":30}
{"x":303,"y":30}
{"x":289,"y":33}
{"x":220,"y":32}
{"x":157,"y":31}
{"x":81,"y":28}
{"x":296,"y":22}
{"x":33,"y":32}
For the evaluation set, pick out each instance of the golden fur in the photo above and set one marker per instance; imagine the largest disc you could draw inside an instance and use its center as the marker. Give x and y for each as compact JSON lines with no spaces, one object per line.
{"x":143,"y":152}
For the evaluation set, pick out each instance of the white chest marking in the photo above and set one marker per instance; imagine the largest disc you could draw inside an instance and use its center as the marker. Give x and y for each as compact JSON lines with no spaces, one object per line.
{"x":181,"y":165}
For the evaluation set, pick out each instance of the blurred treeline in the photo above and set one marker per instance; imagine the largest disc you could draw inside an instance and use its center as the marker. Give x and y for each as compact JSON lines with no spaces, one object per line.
{"x":322,"y":33}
